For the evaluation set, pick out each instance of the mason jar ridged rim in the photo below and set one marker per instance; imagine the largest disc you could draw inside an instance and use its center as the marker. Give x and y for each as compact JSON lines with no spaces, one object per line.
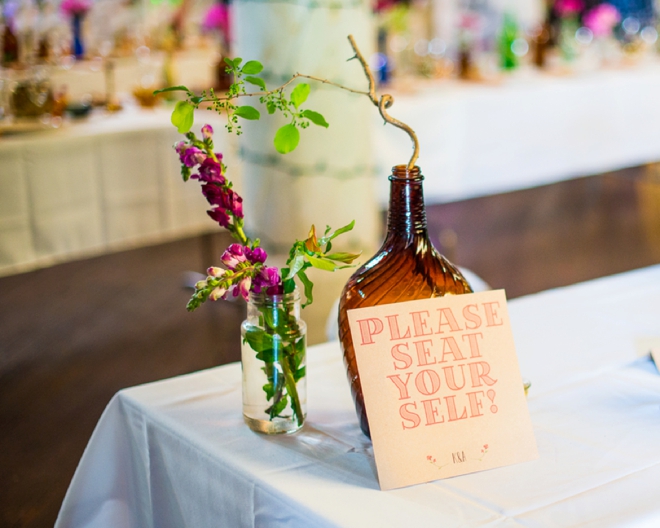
{"x":264,"y":299}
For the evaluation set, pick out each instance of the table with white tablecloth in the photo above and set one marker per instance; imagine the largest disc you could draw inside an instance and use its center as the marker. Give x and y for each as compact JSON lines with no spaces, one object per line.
{"x":111,"y":182}
{"x":177,"y":453}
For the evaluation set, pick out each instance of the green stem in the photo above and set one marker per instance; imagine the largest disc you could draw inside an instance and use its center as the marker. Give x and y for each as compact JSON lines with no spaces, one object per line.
{"x":239,"y":235}
{"x":291,"y":387}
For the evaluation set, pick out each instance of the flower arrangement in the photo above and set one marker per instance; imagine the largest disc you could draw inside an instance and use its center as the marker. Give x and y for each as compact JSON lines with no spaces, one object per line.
{"x":602,"y":19}
{"x":276,"y":340}
{"x":245,"y":261}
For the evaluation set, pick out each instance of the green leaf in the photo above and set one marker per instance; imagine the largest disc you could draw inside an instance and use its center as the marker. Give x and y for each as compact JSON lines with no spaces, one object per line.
{"x":247,"y":112}
{"x":298,"y":374}
{"x":257,"y":81}
{"x":296,"y":265}
{"x":269,"y":389}
{"x":267,"y":355}
{"x":271,"y":106}
{"x":299,"y":94}
{"x":259,"y":340}
{"x":289,"y":285}
{"x":183,"y":116}
{"x":279,"y":406}
{"x":196,"y":100}
{"x":299,"y":352}
{"x":185,"y":172}
{"x":321,"y":263}
{"x":315,"y":118}
{"x":179,"y":88}
{"x":346,"y":258}
{"x":229,"y":62}
{"x":252,"y":67}
{"x":286,"y":139}
{"x":339,"y":231}
{"x":236,"y":62}
{"x":309,"y":285}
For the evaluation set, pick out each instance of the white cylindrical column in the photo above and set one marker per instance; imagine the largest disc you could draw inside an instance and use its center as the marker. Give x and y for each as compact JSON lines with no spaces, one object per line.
{"x":329,"y":178}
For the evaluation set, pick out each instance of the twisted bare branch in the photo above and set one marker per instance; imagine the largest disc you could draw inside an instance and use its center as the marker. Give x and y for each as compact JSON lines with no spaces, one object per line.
{"x":385,"y":102}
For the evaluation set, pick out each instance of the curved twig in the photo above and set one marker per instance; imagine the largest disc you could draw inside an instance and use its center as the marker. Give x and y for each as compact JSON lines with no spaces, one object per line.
{"x":385,"y":102}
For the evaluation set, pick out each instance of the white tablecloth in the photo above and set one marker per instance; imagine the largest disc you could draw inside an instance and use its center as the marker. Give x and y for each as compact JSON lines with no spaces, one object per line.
{"x":531,"y":129}
{"x":109,"y":183}
{"x":176,"y":452}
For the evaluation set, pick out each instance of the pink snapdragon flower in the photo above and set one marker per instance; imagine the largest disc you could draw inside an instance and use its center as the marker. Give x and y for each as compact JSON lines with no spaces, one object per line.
{"x":220,"y":216}
{"x":269,"y":279}
{"x":214,"y":271}
{"x":244,"y":288}
{"x":233,"y":256}
{"x":207,"y":131}
{"x":217,"y":293}
{"x":191,"y":156}
{"x":602,"y":19}
{"x":255,"y":255}
{"x":210,"y":171}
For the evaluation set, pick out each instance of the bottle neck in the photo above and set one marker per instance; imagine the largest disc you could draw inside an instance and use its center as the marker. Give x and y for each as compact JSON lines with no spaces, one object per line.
{"x":407,"y":215}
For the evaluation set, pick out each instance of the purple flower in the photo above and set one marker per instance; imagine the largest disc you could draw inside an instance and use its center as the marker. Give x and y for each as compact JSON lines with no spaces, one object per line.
{"x":210,"y":171}
{"x":224,"y":198}
{"x":220,"y":215}
{"x":233,"y":255}
{"x":214,"y":194}
{"x":234,"y":203}
{"x":256,"y":255}
{"x":268,"y":277}
{"x":192,"y":156}
{"x":180,"y":147}
{"x":207,"y":131}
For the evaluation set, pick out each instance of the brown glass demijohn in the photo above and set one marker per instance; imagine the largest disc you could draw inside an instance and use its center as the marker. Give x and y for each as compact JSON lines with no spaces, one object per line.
{"x":406,"y":267}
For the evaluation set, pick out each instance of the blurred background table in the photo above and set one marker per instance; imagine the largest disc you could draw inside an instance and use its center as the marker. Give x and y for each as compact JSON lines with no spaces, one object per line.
{"x":177,"y":452}
{"x":108,"y":183}
{"x":525,"y":130}
{"x":111,"y":182}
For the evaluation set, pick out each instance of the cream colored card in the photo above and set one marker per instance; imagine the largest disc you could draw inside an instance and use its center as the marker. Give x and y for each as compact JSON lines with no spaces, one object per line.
{"x":442,"y":387}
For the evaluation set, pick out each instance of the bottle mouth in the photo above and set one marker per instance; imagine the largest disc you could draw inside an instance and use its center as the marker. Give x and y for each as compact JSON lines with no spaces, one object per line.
{"x":402,"y":172}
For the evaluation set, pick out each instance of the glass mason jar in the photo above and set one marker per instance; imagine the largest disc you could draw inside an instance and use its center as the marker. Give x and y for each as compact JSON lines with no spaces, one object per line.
{"x":405,"y":268}
{"x":274,"y":348}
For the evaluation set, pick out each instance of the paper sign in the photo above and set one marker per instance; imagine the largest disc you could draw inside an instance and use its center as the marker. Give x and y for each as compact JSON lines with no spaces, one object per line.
{"x":442,"y":387}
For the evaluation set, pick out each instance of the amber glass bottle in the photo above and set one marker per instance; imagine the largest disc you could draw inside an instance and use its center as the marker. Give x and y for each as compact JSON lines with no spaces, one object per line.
{"x":406,"y":267}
